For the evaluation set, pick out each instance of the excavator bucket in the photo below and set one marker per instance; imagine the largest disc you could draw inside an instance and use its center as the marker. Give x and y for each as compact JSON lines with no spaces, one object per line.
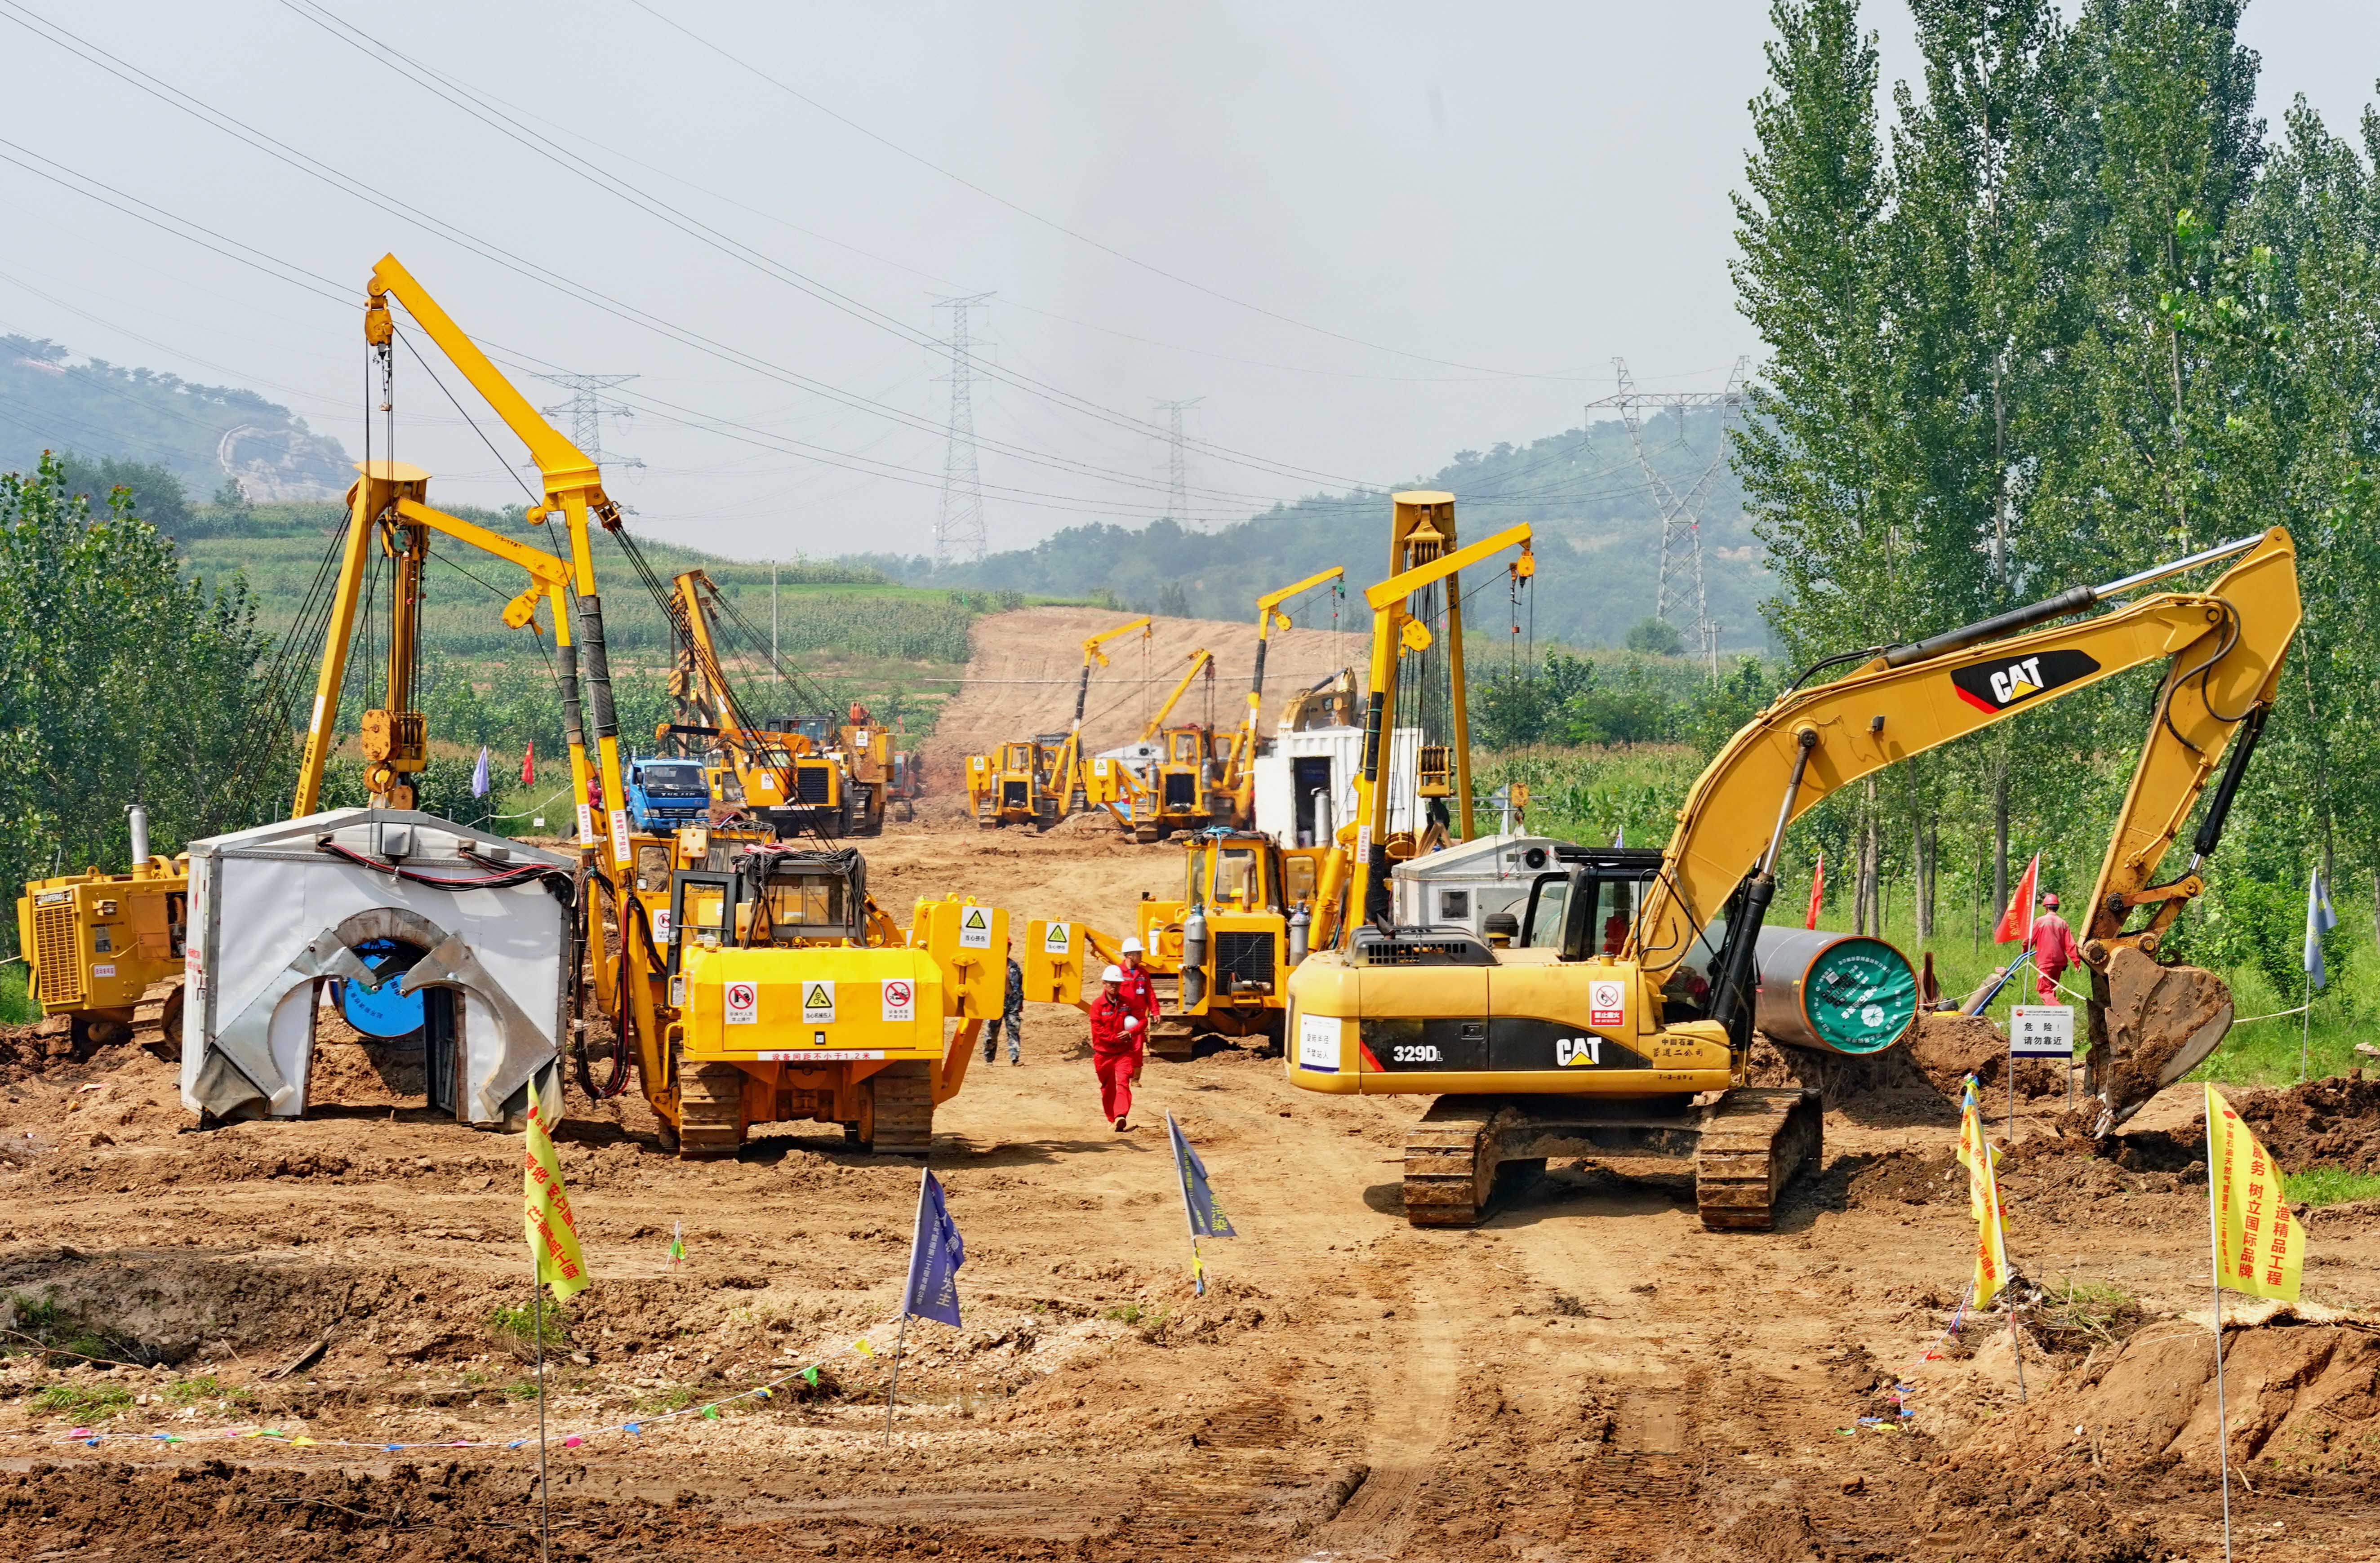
{"x":2158,"y":1024}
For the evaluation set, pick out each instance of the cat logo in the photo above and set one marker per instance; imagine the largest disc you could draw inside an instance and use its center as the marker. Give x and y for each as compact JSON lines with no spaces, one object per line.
{"x":817,"y":1002}
{"x":974,"y":929}
{"x":1571,"y":1052}
{"x":1993,"y":688}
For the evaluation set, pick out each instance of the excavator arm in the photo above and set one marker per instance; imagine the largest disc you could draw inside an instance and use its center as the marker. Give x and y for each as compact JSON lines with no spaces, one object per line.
{"x":2223,"y":647}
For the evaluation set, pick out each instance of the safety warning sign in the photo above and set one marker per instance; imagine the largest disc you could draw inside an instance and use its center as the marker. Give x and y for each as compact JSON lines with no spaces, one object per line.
{"x":1058,"y":939}
{"x":817,"y":1002}
{"x":1607,"y":1003}
{"x":743,"y":1003}
{"x":900,"y":999}
{"x":974,"y":929}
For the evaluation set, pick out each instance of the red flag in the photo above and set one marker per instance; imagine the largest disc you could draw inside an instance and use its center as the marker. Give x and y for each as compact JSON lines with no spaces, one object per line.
{"x":1818,"y":892}
{"x":528,"y":765}
{"x":2016,"y":922}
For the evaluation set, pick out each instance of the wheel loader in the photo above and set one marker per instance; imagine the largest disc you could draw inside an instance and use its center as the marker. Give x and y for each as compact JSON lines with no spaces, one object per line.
{"x":1558,"y":1046}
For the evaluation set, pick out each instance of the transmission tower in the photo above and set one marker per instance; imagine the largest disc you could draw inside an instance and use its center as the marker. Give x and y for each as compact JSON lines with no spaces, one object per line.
{"x":1681,"y":523}
{"x":958,"y":530}
{"x":586,"y":410}
{"x":1177,"y":464}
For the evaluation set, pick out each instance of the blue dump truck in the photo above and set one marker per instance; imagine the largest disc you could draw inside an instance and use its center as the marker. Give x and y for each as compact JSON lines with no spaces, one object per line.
{"x":665,"y":792}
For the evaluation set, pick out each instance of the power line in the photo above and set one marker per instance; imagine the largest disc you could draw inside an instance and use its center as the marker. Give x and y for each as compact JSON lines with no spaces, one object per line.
{"x":586,"y":409}
{"x":1678,"y":511}
{"x":958,"y":527}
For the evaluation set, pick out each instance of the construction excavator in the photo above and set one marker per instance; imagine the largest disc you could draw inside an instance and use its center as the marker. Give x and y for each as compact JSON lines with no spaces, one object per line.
{"x":1167,"y":778}
{"x":1040,"y":780}
{"x":799,"y":782}
{"x":1553,"y":1046}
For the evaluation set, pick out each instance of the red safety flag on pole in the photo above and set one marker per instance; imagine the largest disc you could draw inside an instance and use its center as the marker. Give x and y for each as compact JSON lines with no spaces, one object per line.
{"x":1818,"y":892}
{"x":2016,"y":920}
{"x":528,"y":765}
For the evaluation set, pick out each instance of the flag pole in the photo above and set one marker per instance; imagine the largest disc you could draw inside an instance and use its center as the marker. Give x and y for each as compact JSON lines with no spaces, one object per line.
{"x":2215,"y":1269}
{"x":2305,"y":1029}
{"x":1189,"y":1217}
{"x":544,"y":1489}
{"x":892,"y":1385}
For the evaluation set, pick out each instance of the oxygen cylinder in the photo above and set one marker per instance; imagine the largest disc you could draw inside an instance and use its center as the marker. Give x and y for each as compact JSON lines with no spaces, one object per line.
{"x":1194,"y":958}
{"x":1301,"y":932}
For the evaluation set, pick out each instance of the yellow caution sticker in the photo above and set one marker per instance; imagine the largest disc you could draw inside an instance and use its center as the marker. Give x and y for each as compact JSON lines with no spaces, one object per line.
{"x":818,"y":1001}
{"x":975,"y":927}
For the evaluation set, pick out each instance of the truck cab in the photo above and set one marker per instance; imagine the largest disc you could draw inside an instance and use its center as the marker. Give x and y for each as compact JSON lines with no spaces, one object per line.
{"x":665,"y":792}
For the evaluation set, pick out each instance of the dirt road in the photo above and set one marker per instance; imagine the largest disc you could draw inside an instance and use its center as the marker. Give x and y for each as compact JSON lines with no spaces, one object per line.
{"x":1591,"y":1375}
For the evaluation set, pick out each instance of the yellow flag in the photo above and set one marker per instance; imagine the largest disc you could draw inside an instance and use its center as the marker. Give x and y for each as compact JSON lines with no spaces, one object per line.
{"x":2259,"y":1248}
{"x":1984,"y":1204}
{"x":546,"y":1220}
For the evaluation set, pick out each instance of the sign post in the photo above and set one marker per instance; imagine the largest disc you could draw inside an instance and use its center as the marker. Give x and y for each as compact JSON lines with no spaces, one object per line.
{"x":2040,"y":1031}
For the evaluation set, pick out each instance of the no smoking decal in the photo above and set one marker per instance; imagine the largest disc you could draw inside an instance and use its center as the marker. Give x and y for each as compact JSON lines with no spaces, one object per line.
{"x":1607,"y":1003}
{"x":743,"y":1003}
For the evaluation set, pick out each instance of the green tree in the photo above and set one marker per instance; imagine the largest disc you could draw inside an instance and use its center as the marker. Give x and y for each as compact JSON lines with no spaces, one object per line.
{"x":1655,"y":637}
{"x":120,"y":681}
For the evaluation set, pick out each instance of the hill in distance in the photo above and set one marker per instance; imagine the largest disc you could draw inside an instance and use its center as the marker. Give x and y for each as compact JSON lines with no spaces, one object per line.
{"x":202,"y":434}
{"x":1597,"y":518}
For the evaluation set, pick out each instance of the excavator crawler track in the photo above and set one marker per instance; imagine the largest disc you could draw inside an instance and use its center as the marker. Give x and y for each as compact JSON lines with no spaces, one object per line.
{"x":1745,"y":1148}
{"x":1450,"y":1163}
{"x":902,"y":1121}
{"x":1173,"y":1037}
{"x":1754,"y":1143}
{"x":710,"y":1106}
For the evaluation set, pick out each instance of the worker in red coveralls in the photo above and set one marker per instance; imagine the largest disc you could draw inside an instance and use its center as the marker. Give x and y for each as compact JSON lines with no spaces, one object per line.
{"x":1117,"y":1033}
{"x":1138,"y":991}
{"x":2053,"y":948}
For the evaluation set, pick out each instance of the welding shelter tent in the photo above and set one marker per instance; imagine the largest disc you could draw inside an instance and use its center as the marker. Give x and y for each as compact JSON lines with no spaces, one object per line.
{"x":277,"y":910}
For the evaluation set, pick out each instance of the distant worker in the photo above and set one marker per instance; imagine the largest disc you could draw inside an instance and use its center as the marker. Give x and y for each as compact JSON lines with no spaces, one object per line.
{"x":1011,"y":1015}
{"x":1116,"y":1036}
{"x":1138,"y":991}
{"x":2052,"y":948}
{"x":858,"y":714}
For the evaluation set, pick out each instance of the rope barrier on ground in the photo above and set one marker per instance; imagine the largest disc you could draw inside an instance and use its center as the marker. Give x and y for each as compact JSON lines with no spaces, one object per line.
{"x":709,"y":1411}
{"x":1902,"y":1388}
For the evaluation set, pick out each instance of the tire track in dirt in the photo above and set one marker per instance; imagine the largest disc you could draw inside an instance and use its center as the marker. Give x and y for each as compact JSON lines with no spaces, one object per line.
{"x":1412,"y":1406}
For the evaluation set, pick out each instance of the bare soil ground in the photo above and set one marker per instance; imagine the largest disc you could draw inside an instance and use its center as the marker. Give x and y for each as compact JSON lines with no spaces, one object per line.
{"x":1590,"y":1376}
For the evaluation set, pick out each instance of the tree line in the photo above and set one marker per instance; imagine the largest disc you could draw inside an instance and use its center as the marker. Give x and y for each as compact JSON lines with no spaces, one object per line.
{"x":2068,"y":308}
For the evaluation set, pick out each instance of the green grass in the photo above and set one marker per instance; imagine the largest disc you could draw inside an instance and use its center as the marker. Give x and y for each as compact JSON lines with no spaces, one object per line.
{"x":668,"y":1400}
{"x":17,"y":1005}
{"x":2332,"y":1186}
{"x":87,"y":1403}
{"x":517,"y":1327}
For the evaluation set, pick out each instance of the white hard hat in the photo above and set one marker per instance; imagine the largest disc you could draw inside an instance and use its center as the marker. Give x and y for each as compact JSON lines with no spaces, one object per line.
{"x":1113,"y":973}
{"x":1132,"y":947}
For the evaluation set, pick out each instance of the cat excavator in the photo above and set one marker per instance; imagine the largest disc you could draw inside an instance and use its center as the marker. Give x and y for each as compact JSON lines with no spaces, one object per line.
{"x":1561,"y":1045}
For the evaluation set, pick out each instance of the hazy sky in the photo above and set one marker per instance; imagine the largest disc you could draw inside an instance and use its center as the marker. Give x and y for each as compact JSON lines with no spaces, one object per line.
{"x":1366,"y":236}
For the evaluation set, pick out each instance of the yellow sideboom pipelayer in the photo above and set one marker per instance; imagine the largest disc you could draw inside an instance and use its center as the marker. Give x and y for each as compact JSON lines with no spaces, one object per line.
{"x":783,"y":992}
{"x":1552,"y":1048}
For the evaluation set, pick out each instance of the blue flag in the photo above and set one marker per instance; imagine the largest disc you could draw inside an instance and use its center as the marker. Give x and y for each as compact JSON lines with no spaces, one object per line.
{"x":935,"y":1256}
{"x":1207,"y":1219}
{"x":479,"y":774}
{"x":2320,"y":920}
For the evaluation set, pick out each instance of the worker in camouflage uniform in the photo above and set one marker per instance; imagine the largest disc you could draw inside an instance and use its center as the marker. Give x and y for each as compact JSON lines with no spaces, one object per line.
{"x":1011,"y":1015}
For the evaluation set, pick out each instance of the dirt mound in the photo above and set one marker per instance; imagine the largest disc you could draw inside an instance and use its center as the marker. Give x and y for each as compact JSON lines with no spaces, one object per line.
{"x":2300,"y":1398}
{"x":1903,"y":1177}
{"x":2332,"y":1123}
{"x":1949,"y":1046}
{"x":1892,"y":1077}
{"x":1023,"y":670}
{"x":40,"y":1049}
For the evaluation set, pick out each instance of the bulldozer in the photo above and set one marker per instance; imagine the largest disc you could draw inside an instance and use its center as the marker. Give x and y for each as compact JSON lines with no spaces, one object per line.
{"x":1557,"y":1046}
{"x":1040,"y":780}
{"x":105,"y":950}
